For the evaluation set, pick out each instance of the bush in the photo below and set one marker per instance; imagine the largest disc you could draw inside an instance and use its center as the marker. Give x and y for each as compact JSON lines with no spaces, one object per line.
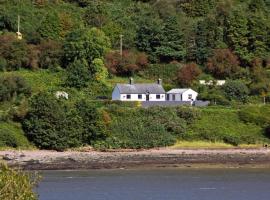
{"x":188,"y":74}
{"x":236,"y":90}
{"x":259,"y":115}
{"x":127,"y":64}
{"x":219,"y":124}
{"x":12,"y":86}
{"x":52,"y":123}
{"x":78,"y":74}
{"x":145,"y":128}
{"x":11,"y":135}
{"x":16,"y":184}
{"x":93,"y":122}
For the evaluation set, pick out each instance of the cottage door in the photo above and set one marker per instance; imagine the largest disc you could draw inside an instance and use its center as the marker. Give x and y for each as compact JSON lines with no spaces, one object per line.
{"x":147,"y":97}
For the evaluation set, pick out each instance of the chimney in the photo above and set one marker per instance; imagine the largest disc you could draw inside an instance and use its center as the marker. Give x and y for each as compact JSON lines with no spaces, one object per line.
{"x":159,"y":81}
{"x":131,"y":81}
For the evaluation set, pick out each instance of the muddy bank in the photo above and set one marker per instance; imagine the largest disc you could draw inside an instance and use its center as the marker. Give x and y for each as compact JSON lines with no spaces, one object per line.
{"x":70,"y":160}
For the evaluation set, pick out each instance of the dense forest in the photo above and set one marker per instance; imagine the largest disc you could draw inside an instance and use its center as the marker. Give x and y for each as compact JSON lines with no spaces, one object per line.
{"x":84,"y":47}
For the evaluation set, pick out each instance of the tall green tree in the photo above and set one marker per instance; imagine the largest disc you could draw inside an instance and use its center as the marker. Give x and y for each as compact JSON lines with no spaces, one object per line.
{"x":172,"y":44}
{"x":237,"y":33}
{"x":85,"y":44}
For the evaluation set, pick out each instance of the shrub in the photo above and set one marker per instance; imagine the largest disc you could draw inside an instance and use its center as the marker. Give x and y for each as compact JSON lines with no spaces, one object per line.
{"x":12,"y":86}
{"x":93,"y":122}
{"x":223,"y":64}
{"x":188,"y":74}
{"x":78,"y":74}
{"x":127,"y":64}
{"x":52,"y":123}
{"x":16,"y":184}
{"x":11,"y":135}
{"x":236,"y":90}
{"x":223,"y":125}
{"x":131,"y":127}
{"x":259,"y":115}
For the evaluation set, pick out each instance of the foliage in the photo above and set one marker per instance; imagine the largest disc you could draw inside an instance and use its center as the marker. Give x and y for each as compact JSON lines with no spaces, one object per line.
{"x":223,"y":64}
{"x":16,"y":184}
{"x":13,"y":52}
{"x":13,"y":86}
{"x":214,"y":127}
{"x":94,"y":126}
{"x":11,"y":135}
{"x":85,"y":44}
{"x":52,"y":123}
{"x":236,"y":90}
{"x":188,"y":74}
{"x":126,"y":64}
{"x":172,"y":41}
{"x":78,"y":74}
{"x":99,"y":69}
{"x":145,"y":128}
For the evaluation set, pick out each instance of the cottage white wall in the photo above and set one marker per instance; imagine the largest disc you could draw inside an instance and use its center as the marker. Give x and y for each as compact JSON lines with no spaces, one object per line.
{"x":134,"y":97}
{"x":116,"y":94}
{"x":152,"y":97}
{"x":186,"y":94}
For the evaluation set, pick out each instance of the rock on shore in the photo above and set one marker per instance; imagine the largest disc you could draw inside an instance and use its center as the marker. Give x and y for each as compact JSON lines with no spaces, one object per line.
{"x":165,"y":157}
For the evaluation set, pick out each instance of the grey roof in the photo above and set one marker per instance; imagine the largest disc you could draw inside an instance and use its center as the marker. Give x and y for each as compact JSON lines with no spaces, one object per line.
{"x":152,"y":88}
{"x":179,"y":91}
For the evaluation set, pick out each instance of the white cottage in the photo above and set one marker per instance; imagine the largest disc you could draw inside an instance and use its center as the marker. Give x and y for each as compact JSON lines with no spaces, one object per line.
{"x":139,"y":92}
{"x":181,"y":95}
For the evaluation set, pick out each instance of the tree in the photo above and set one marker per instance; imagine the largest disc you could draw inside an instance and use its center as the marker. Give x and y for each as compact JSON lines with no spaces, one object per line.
{"x":205,"y":39}
{"x":126,"y":64}
{"x":96,"y":14}
{"x":223,"y":64}
{"x":237,"y":33}
{"x":12,"y":87}
{"x":172,"y":45}
{"x":50,"y":54}
{"x":188,"y":74}
{"x":236,"y":90}
{"x":78,"y":74}
{"x":93,"y":125}
{"x":52,"y":123}
{"x":148,"y":33}
{"x":13,"y":51}
{"x":50,"y":26}
{"x":85,"y":44}
{"x":99,"y":70}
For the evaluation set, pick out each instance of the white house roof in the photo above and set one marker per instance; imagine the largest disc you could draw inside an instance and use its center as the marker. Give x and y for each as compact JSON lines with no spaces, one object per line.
{"x":179,"y":91}
{"x":138,"y":88}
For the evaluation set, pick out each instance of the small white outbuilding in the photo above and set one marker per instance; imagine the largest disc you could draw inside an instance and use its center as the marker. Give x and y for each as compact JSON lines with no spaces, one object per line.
{"x":186,"y":94}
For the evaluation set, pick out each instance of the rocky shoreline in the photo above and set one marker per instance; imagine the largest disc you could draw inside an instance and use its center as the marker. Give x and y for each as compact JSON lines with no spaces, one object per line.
{"x":165,"y":157}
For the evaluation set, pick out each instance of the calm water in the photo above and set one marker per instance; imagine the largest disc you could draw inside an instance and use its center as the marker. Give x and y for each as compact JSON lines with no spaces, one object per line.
{"x":164,"y":184}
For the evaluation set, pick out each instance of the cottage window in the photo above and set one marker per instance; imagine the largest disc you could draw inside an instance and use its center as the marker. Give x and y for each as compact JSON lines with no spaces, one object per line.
{"x":190,"y":96}
{"x":173,"y":97}
{"x":139,"y":96}
{"x":128,"y":96}
{"x":158,"y":96}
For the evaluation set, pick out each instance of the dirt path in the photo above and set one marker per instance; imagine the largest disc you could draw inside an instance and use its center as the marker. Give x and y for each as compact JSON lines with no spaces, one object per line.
{"x":163,"y":157}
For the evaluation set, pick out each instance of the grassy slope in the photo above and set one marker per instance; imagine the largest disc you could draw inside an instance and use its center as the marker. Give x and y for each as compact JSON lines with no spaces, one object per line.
{"x":11,"y":135}
{"x":224,"y":124}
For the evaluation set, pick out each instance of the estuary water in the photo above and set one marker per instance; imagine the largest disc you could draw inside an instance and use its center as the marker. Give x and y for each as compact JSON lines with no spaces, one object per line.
{"x":156,"y":184}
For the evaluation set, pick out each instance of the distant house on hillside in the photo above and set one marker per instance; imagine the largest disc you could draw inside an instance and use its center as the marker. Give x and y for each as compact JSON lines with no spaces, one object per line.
{"x":186,"y":94}
{"x":211,"y":82}
{"x":139,"y":91}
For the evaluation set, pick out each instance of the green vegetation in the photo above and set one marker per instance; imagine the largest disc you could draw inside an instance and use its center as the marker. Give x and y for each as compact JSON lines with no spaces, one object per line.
{"x":74,"y":46}
{"x":16,"y":184}
{"x":225,"y":125}
{"x":11,"y":135}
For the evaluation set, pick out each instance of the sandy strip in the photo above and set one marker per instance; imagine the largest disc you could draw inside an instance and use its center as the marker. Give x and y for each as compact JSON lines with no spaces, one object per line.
{"x":163,"y":157}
